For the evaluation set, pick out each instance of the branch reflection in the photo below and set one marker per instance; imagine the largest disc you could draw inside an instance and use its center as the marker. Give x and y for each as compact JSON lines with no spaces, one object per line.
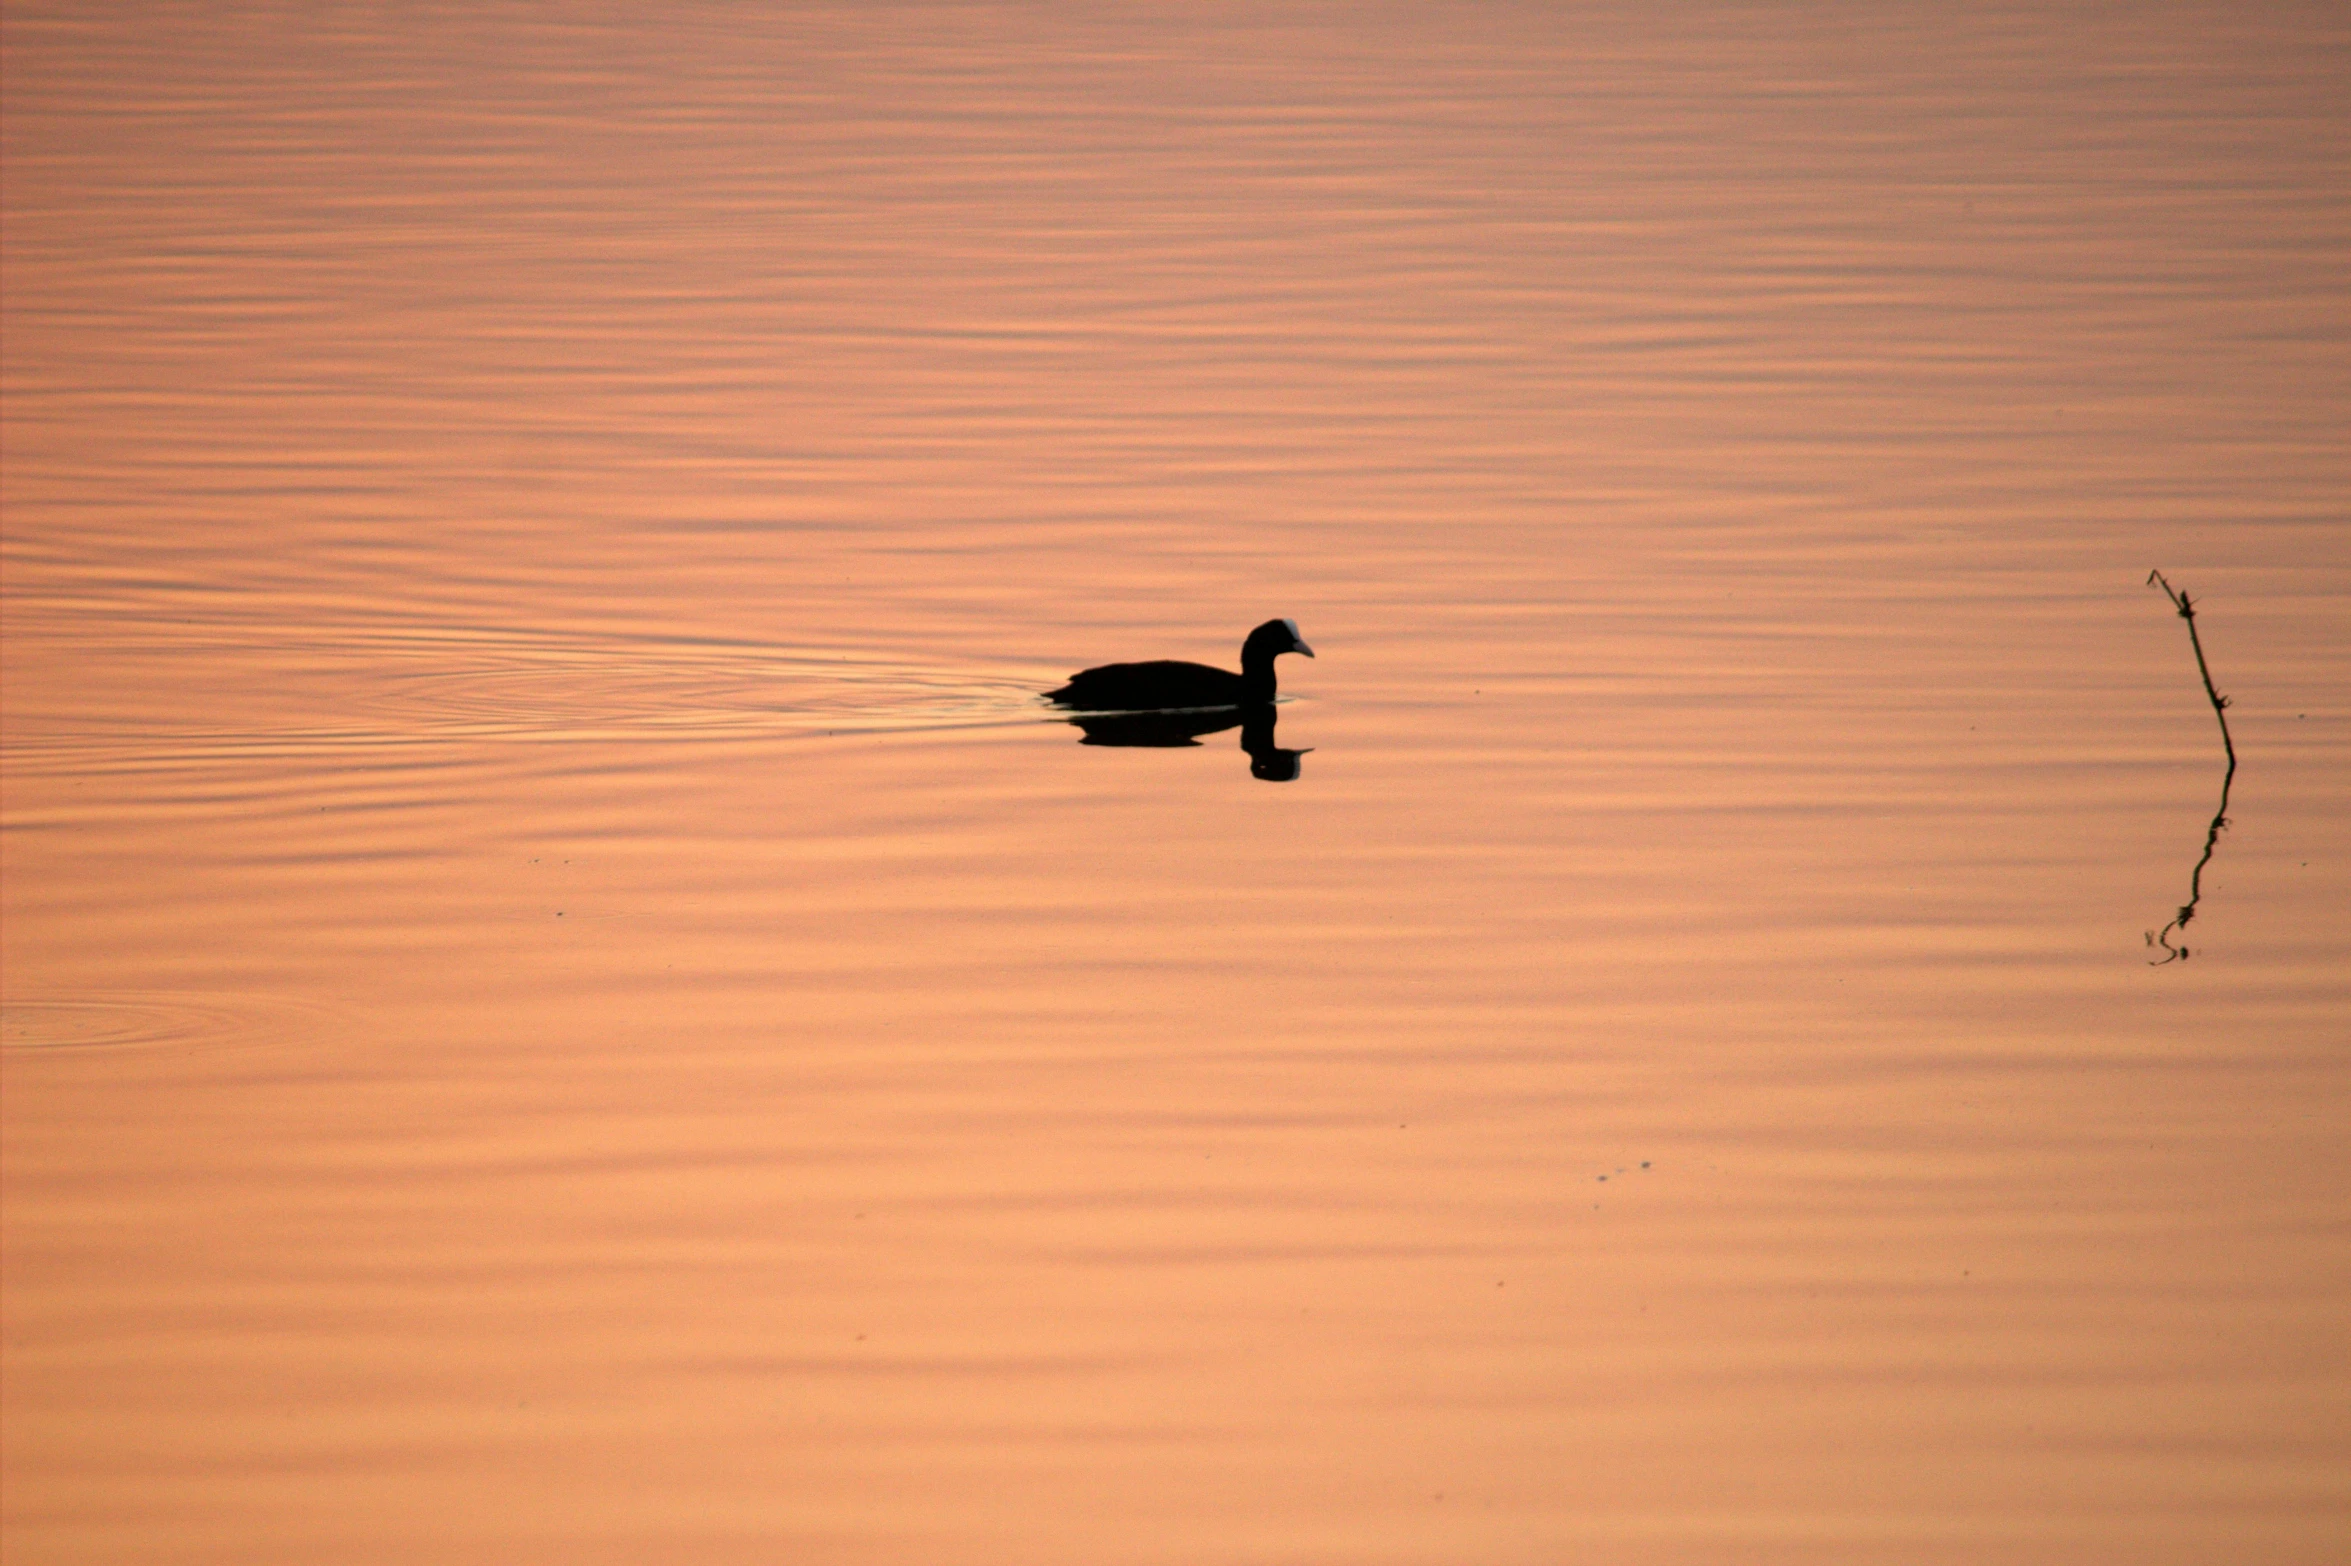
{"x":2179,"y":923}
{"x":1165,"y":730}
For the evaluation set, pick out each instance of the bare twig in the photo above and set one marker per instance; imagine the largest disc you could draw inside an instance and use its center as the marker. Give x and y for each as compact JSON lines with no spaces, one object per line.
{"x":2220,"y":818}
{"x":2187,"y":609}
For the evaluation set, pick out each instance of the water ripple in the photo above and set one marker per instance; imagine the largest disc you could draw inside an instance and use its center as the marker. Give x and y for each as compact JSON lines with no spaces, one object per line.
{"x":128,"y":1019}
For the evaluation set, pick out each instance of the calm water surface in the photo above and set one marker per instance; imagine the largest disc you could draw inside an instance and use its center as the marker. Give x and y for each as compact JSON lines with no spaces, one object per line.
{"x":565,"y":1000}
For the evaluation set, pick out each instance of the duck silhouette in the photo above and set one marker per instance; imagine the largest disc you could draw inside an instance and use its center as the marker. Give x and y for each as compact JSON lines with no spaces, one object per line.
{"x":1166,"y":683}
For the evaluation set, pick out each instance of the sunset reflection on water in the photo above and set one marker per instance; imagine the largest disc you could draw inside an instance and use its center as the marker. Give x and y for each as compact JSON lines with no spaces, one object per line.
{"x":566,"y":993}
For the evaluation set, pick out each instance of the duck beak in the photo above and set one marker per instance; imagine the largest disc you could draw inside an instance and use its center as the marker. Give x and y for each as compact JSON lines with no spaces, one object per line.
{"x":1298,"y":644}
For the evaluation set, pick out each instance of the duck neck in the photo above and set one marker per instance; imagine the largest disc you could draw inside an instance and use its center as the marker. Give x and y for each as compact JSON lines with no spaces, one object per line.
{"x":1256,"y":674}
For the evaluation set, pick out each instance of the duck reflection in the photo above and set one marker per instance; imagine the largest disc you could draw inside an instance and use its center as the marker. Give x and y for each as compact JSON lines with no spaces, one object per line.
{"x":1163,"y":730}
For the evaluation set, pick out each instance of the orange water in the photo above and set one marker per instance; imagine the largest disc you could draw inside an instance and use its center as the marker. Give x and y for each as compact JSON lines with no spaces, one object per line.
{"x":565,"y":1000}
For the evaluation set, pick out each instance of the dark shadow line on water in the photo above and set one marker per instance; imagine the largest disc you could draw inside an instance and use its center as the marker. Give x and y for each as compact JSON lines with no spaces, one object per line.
{"x":2220,"y":818}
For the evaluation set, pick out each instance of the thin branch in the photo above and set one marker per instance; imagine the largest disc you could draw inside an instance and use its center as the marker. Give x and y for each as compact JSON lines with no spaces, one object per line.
{"x":2187,"y":609}
{"x":2220,"y":817}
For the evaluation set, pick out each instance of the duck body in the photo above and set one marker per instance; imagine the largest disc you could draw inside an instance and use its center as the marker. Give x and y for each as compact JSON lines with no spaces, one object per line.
{"x":1153,"y":687}
{"x":1168,"y":683}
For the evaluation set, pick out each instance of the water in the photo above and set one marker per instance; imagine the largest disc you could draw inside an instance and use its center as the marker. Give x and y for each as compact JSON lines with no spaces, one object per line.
{"x":565,"y":997}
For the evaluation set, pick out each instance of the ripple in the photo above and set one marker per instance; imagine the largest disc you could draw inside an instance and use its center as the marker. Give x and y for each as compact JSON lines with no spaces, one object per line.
{"x":133,"y":1019}
{"x":472,"y":693}
{"x":713,"y":697}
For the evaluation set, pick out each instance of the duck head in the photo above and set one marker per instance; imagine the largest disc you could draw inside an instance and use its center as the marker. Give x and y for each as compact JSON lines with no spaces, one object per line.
{"x":1270,"y":640}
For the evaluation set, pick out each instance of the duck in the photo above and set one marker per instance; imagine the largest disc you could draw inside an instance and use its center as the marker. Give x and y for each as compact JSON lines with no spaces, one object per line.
{"x":1167,"y":683}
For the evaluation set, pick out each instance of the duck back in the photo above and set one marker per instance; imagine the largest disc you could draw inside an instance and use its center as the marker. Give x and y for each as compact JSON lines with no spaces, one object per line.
{"x":1140,"y":687}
